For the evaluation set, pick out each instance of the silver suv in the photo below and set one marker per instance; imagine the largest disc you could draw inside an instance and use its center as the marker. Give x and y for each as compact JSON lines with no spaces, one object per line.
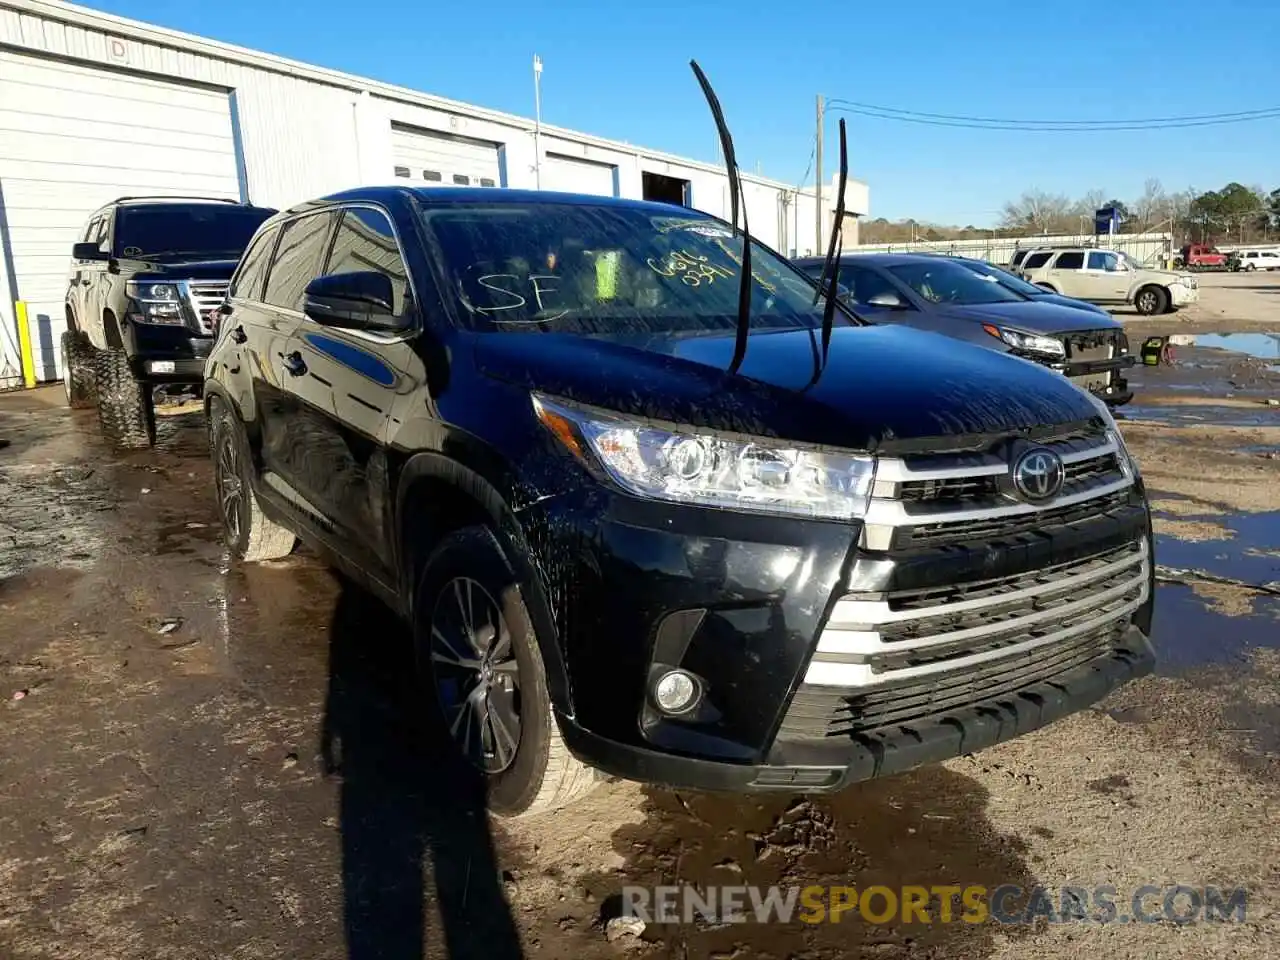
{"x":1109,"y":277}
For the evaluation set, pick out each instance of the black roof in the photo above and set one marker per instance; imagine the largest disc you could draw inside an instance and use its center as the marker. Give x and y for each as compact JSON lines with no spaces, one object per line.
{"x":495,"y":195}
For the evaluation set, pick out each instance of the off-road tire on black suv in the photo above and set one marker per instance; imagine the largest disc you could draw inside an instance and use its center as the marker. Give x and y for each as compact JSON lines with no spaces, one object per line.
{"x":126,"y":408}
{"x":543,"y":775}
{"x":249,"y":533}
{"x":79,"y":369}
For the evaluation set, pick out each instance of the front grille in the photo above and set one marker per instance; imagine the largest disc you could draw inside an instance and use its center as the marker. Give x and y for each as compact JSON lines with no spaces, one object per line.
{"x":897,"y":657}
{"x":923,"y":501}
{"x":1091,"y":345}
{"x":997,"y":527}
{"x":205,"y":296}
{"x":818,"y":712}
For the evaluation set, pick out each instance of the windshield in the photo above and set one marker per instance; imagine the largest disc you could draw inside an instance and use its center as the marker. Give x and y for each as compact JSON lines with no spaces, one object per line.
{"x":944,"y":282}
{"x":1002,"y":277}
{"x":202,"y":230}
{"x":600,"y":268}
{"x":1133,"y":264}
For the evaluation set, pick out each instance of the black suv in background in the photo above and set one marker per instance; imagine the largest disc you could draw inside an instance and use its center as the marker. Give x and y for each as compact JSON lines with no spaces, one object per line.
{"x":516,"y":417}
{"x":147,"y":277}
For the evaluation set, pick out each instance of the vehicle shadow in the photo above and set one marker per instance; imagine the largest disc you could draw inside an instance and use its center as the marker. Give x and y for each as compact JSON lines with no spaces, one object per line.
{"x":407,"y":806}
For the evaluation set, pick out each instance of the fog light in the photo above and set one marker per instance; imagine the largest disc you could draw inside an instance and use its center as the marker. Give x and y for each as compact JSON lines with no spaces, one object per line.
{"x":677,"y":692}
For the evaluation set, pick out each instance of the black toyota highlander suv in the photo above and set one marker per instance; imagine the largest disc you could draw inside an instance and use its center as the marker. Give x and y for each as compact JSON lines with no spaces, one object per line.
{"x":522,"y":419}
{"x":147,"y":275}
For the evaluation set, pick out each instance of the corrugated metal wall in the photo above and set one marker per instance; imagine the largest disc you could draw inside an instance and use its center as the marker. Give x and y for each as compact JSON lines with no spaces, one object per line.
{"x":1149,"y":248}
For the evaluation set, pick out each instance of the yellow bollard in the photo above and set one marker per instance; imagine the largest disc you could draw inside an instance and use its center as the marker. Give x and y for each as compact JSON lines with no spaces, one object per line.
{"x":24,"y":345}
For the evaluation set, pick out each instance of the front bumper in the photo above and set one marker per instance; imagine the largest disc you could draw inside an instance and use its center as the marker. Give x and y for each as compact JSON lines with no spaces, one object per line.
{"x":828,"y":767}
{"x":745,"y":602}
{"x":150,"y":343}
{"x":1181,"y":295}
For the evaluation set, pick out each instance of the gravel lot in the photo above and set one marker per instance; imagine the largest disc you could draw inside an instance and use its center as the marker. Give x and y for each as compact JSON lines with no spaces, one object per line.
{"x":200,"y":760}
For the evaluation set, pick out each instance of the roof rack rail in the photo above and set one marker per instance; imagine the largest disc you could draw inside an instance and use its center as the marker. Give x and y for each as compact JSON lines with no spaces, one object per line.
{"x":179,"y":196}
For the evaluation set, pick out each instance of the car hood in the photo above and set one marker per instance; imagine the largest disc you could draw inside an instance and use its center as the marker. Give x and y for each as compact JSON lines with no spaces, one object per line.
{"x":1034,"y":316}
{"x":881,"y":384}
{"x":1071,"y":302}
{"x":179,"y":269}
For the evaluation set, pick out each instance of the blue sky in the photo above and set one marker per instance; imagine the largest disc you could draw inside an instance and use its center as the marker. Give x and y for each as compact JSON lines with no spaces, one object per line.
{"x":620,"y":70}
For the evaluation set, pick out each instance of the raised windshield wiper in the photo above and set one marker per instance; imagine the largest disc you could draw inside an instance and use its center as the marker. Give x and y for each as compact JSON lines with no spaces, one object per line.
{"x":827,"y":284}
{"x":735,"y":193}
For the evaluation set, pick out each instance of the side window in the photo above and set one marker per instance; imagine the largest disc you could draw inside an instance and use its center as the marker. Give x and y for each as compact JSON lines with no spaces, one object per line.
{"x":298,"y":260}
{"x":247,"y":282}
{"x":1098,"y":260}
{"x":365,"y":241}
{"x":1036,"y":260}
{"x":865,"y":284}
{"x":1071,"y":260}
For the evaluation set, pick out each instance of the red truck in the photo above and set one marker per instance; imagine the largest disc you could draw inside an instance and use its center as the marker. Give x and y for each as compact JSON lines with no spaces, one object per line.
{"x":1201,"y":256}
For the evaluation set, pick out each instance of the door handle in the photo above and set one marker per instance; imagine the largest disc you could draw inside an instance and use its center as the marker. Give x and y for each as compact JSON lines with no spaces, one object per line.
{"x":237,"y":334}
{"x":293,"y":363}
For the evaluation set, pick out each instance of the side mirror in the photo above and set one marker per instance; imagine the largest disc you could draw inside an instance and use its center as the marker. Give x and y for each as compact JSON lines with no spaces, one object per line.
{"x":887,"y":301}
{"x":87,"y":250}
{"x":355,"y":301}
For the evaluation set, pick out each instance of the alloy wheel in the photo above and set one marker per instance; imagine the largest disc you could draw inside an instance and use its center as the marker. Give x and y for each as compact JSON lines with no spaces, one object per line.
{"x":476,"y":675}
{"x":230,"y":485}
{"x":1147,"y":302}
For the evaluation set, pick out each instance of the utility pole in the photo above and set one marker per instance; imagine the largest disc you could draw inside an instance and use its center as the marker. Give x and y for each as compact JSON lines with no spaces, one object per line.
{"x":818,"y":181}
{"x":537,"y":121}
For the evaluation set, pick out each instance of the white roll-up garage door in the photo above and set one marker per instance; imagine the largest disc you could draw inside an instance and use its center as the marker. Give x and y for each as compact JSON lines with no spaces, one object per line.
{"x":73,"y":138}
{"x":429,"y":158}
{"x":573,"y":175}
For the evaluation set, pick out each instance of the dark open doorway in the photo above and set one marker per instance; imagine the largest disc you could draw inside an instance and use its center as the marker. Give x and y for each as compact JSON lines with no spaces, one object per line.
{"x":666,"y":189}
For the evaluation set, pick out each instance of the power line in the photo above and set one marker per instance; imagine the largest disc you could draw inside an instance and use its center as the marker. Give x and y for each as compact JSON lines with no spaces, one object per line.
{"x":813,"y":149}
{"x":1048,"y":126}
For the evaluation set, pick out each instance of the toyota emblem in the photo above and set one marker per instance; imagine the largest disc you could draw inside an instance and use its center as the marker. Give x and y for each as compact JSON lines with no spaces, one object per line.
{"x":1038,"y":475}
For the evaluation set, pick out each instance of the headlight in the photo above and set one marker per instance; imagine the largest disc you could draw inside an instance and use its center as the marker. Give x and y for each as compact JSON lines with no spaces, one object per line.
{"x":1029,"y":342}
{"x":1127,"y":463}
{"x":689,"y":467}
{"x":158,"y":302}
{"x":152,"y":292}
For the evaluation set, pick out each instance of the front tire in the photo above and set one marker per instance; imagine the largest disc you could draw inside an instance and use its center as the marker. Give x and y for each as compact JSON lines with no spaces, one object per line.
{"x":79,"y":377}
{"x":478,"y":649}
{"x":1151,"y":301}
{"x":125,"y":407}
{"x":249,"y":533}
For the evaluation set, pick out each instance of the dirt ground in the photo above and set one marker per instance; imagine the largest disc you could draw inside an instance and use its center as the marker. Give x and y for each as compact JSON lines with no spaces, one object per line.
{"x":200,"y":759}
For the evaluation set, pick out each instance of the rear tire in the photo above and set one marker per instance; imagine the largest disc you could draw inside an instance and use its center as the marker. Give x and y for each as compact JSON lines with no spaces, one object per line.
{"x":79,"y":376}
{"x":125,"y":406}
{"x":249,"y":533}
{"x":1151,"y":300}
{"x":487,"y":678}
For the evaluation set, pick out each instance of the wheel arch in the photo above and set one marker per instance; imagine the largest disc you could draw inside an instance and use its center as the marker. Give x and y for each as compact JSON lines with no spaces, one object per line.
{"x":111,"y":330}
{"x":435,"y":496}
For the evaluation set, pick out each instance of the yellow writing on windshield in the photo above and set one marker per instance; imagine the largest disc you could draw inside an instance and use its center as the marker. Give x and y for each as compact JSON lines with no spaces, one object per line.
{"x":692,"y":269}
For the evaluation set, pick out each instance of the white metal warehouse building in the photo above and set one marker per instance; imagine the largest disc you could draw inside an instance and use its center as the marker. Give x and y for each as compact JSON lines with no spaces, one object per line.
{"x":93,"y":107}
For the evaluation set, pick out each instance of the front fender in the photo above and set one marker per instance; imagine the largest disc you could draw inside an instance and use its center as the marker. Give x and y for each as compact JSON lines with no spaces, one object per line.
{"x":495,"y":494}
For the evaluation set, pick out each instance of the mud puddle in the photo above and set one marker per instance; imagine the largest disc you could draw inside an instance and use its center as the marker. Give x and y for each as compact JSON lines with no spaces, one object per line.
{"x":1188,"y":415}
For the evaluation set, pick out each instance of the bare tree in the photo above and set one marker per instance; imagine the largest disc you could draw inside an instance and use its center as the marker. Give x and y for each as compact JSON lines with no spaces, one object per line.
{"x":1153,"y":206}
{"x":1091,"y":201}
{"x":1036,"y":212}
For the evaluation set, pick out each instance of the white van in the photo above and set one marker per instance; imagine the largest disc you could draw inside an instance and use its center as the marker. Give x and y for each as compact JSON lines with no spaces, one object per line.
{"x":1258,"y":260}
